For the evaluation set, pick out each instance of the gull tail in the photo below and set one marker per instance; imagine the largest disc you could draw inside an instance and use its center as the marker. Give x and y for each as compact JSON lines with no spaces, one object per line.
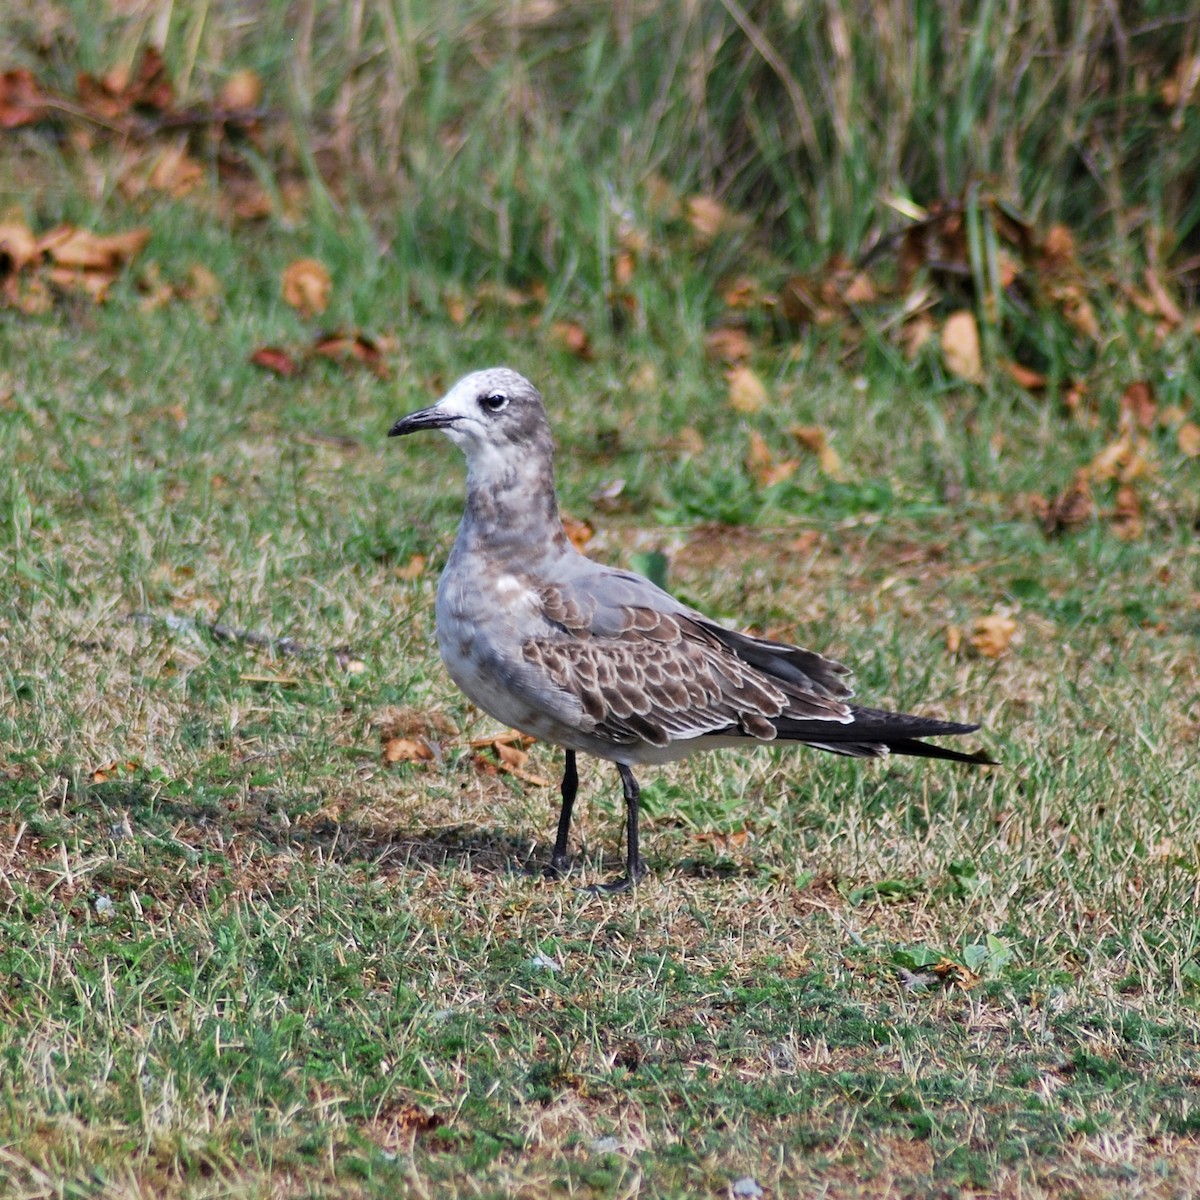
{"x":875,"y":732}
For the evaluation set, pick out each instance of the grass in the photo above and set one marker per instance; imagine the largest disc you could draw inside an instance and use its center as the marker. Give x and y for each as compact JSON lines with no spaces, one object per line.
{"x":241,"y":955}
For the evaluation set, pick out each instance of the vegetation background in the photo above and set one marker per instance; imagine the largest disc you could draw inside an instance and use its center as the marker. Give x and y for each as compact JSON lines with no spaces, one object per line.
{"x":868,"y":325}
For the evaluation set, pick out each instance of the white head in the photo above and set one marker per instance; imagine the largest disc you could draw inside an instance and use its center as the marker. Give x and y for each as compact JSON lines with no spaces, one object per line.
{"x":495,"y":417}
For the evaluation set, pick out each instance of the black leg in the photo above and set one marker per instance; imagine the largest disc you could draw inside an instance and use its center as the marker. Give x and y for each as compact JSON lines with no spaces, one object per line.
{"x":560,"y":861}
{"x":633,"y":860}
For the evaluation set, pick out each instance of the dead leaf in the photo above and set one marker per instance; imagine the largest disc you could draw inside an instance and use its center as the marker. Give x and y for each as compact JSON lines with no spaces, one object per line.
{"x":21,"y":100}
{"x":1023,"y":376}
{"x":1138,"y":404}
{"x":1058,"y":247}
{"x":306,"y":286}
{"x":624,"y":268}
{"x":960,"y":346}
{"x":916,"y":333}
{"x":860,"y":290}
{"x":815,"y":441}
{"x":81,"y":250}
{"x":728,"y":343}
{"x":243,"y":89}
{"x":1167,"y":308}
{"x":954,"y":636}
{"x":411,"y":569}
{"x":572,"y":336}
{"x":403,"y":749}
{"x":1188,"y":439}
{"x":743,"y":292}
{"x":1068,"y":510}
{"x":18,"y":247}
{"x":688,"y":440}
{"x":1127,"y":520}
{"x":345,"y":348}
{"x":707,"y":216}
{"x":176,"y":173}
{"x":579,"y":533}
{"x":747,"y":393}
{"x":992,"y":635}
{"x":762,"y":466}
{"x":272,"y":358}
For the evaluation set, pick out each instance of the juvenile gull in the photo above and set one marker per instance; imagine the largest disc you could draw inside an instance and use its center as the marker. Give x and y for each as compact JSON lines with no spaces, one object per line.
{"x":601,"y":661}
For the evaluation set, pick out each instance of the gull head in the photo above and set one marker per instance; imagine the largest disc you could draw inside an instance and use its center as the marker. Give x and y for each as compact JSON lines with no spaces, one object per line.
{"x":493,"y":416}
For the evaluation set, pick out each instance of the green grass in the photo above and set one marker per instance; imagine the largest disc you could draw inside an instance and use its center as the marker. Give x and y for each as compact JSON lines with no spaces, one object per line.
{"x":242,"y":956}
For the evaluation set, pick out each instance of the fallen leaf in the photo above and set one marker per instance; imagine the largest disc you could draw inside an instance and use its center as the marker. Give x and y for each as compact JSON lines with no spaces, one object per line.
{"x":412,"y":569}
{"x":1188,"y":439}
{"x":1167,"y":308}
{"x":762,"y":465}
{"x":815,"y":441}
{"x":1127,"y":520}
{"x":306,"y":286}
{"x":916,"y":333}
{"x":707,"y":216}
{"x":81,"y":250}
{"x":960,"y":346}
{"x":176,"y":173}
{"x":1023,"y":376}
{"x":579,"y":533}
{"x":1058,"y":247}
{"x":1138,"y":404}
{"x":1068,"y":510}
{"x":954,"y":636}
{"x":728,"y":343}
{"x":688,"y":440}
{"x":21,"y":101}
{"x":243,"y":89}
{"x":747,"y":393}
{"x":860,"y":290}
{"x":403,"y":749}
{"x":992,"y":635}
{"x":743,"y":292}
{"x":272,"y":358}
{"x":18,"y":247}
{"x":624,"y":268}
{"x":349,"y":348}
{"x":572,"y":336}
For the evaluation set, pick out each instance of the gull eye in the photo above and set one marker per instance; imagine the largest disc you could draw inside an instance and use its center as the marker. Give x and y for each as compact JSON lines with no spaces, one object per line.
{"x":494,"y":402}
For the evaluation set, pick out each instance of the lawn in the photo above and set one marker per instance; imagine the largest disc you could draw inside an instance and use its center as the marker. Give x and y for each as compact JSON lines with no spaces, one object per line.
{"x":273,"y":918}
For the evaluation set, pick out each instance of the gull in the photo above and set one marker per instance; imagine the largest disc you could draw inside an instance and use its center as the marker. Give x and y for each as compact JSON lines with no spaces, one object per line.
{"x":601,"y":661}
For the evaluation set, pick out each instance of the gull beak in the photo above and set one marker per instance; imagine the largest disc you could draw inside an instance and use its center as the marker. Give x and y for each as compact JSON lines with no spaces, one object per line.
{"x":425,"y":418}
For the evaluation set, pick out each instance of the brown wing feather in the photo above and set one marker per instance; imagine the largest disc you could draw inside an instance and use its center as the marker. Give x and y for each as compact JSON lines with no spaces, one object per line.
{"x":665,"y":676}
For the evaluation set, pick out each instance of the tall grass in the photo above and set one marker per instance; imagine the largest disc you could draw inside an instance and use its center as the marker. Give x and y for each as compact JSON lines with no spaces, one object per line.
{"x":511,"y":137}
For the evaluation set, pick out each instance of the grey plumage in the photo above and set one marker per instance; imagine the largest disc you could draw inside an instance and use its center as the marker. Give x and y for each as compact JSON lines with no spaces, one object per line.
{"x":602,"y":661}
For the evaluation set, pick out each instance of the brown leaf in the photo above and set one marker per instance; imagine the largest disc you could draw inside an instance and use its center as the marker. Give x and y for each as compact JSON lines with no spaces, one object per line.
{"x":176,"y":173}
{"x":572,"y":336}
{"x":1188,"y":439}
{"x":747,"y":393}
{"x":707,"y":216}
{"x":1167,"y":308}
{"x":1127,"y":521}
{"x":272,"y":358}
{"x":960,"y":346}
{"x":412,"y":569}
{"x":1068,"y":510}
{"x":624,"y":268}
{"x":579,"y":533}
{"x":815,"y":441}
{"x":1023,"y":376}
{"x":1058,"y":247}
{"x":954,"y":636}
{"x":348,"y":348}
{"x":688,"y":440}
{"x":992,"y":635}
{"x":763,"y":467}
{"x":79,"y":249}
{"x":243,"y":89}
{"x":306,"y":286}
{"x":860,"y":290}
{"x":743,"y":292}
{"x":18,"y":247}
{"x":728,"y":343}
{"x":401,"y":749}
{"x":916,"y":333}
{"x":21,"y":100}
{"x":1138,"y":404}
